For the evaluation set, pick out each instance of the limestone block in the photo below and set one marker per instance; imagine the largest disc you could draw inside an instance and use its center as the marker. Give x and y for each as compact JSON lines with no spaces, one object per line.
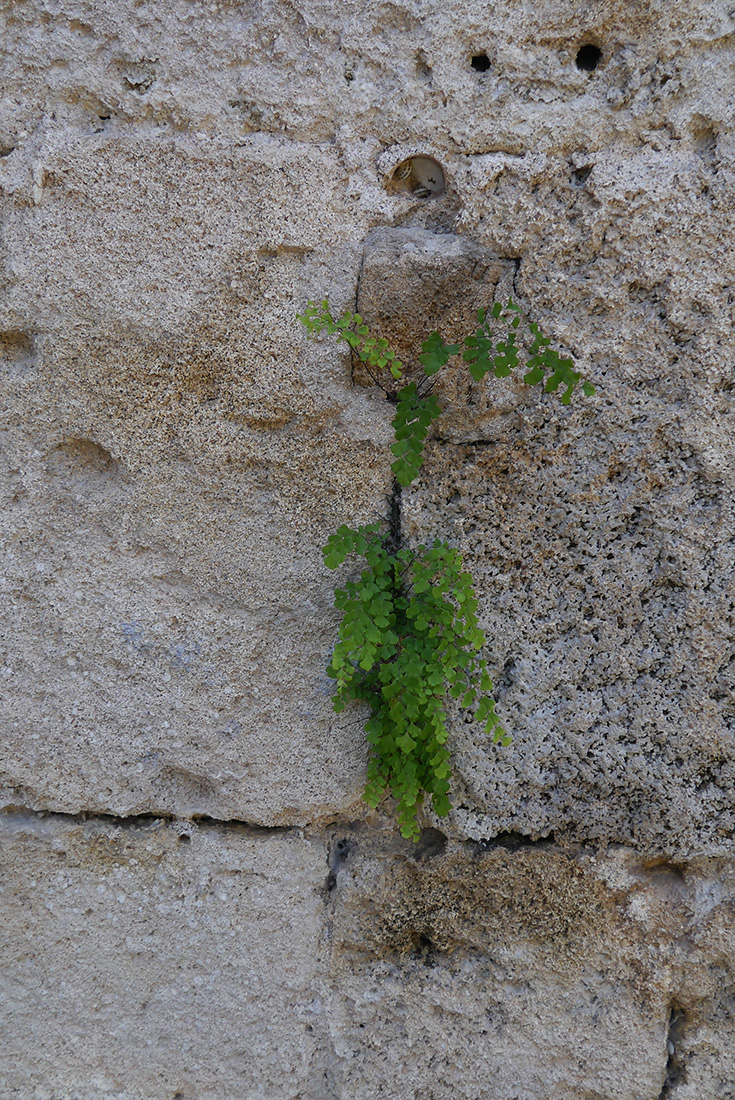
{"x":413,"y":281}
{"x":175,"y":186}
{"x":174,"y":457}
{"x":146,"y":961}
{"x":602,"y":534}
{"x":526,"y":970}
{"x":610,"y":632}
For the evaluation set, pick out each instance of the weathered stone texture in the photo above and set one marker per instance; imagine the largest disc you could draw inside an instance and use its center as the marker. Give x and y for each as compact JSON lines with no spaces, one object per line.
{"x":147,"y":961}
{"x":155,"y":620}
{"x":175,"y":456}
{"x":529,"y":971}
{"x":150,"y":959}
{"x":176,"y":181}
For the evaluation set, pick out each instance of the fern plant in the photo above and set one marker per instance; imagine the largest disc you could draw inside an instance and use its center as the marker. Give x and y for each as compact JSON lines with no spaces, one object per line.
{"x":409,"y":635}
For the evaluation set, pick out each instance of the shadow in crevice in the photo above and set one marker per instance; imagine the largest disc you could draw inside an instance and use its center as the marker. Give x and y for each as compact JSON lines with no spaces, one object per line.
{"x":17,"y":350}
{"x":675,"y":1069}
{"x":512,"y":842}
{"x":338,"y":853}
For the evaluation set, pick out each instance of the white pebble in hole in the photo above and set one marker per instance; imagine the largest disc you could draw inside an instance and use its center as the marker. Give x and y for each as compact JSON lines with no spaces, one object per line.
{"x":422,"y":177}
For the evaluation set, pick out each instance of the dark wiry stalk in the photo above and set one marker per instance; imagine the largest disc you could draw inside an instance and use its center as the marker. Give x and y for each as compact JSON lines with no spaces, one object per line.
{"x":394,"y":538}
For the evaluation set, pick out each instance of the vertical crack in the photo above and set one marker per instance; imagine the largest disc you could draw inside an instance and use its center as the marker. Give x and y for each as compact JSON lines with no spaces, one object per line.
{"x":675,"y":1070}
{"x":354,"y":358}
{"x":395,"y":523}
{"x":327,"y":1063}
{"x":517,"y":260}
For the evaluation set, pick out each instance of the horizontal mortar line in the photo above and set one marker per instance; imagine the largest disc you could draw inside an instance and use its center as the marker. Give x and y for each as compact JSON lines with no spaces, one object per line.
{"x":512,"y":842}
{"x":151,"y":817}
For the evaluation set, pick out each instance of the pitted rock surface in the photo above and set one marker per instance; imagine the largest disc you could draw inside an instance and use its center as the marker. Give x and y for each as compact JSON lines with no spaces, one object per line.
{"x":176,"y":182}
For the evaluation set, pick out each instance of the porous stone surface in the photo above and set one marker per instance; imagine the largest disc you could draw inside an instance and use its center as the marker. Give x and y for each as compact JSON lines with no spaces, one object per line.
{"x":525,"y":970}
{"x":150,"y":960}
{"x":176,"y":182}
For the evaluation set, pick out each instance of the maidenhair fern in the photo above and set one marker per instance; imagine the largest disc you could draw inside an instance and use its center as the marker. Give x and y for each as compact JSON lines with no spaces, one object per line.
{"x":409,"y":635}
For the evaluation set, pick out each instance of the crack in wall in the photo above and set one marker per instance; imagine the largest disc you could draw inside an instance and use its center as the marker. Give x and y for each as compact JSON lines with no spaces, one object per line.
{"x":514,"y":841}
{"x":358,"y":281}
{"x":152,"y":817}
{"x":517,"y":261}
{"x":675,"y":1070}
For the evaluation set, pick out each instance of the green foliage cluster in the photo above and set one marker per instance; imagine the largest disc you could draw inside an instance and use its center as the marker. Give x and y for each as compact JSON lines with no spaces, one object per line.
{"x":409,"y":635}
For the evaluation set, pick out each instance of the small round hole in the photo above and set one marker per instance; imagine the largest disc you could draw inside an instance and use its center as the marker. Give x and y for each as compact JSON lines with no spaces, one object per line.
{"x":588,"y":58}
{"x":421,"y":176}
{"x":480,"y":62}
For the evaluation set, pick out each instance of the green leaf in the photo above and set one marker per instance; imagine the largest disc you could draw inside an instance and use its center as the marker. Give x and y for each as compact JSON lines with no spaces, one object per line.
{"x":435,"y":353}
{"x":442,"y":805}
{"x":409,"y":637}
{"x":534,"y":376}
{"x":406,"y":743}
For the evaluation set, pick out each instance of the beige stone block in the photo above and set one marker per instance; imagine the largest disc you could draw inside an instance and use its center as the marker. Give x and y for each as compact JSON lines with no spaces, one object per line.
{"x":149,"y":960}
{"x":174,"y":457}
{"x":527,"y":970}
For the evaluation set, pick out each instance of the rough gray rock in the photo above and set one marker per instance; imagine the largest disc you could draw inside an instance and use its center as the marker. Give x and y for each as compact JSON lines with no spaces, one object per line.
{"x":175,"y":458}
{"x":526,"y":970}
{"x":161,"y":452}
{"x":149,"y":959}
{"x":176,"y":181}
{"x":153,"y":960}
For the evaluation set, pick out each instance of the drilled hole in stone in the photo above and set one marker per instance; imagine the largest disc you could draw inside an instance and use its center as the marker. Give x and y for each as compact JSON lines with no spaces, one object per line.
{"x":588,"y":57}
{"x":420,"y":176}
{"x":480,"y":62}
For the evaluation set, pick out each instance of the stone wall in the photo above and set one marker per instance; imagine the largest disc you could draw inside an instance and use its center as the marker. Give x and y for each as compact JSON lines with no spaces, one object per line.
{"x":197,"y":903}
